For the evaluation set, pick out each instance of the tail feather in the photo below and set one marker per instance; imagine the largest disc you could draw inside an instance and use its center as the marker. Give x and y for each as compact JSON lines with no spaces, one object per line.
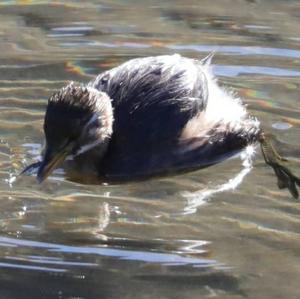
{"x":208,"y":59}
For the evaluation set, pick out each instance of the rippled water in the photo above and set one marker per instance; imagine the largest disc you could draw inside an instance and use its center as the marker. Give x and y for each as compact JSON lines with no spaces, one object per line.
{"x":177,"y":237}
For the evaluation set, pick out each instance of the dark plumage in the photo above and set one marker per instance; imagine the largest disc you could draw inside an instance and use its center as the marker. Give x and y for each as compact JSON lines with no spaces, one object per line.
{"x":150,"y":116}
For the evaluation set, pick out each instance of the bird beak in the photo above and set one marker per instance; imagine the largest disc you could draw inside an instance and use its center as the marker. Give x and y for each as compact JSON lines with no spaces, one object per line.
{"x":52,"y":159}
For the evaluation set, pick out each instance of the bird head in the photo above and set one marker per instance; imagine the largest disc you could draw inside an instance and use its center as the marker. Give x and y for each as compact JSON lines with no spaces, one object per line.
{"x":77,"y":120}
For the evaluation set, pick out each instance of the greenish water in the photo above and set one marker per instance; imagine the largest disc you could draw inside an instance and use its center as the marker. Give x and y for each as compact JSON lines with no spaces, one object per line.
{"x":176,"y":237}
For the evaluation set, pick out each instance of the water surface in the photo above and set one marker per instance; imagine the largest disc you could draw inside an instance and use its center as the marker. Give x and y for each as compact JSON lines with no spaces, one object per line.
{"x":175,"y":237}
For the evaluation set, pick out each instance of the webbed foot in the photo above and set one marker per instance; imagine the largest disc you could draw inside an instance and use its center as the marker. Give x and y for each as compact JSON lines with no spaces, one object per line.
{"x":285,"y":178}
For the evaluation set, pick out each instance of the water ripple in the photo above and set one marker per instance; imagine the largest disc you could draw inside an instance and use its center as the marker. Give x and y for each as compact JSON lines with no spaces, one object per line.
{"x":168,"y":259}
{"x":239,"y":50}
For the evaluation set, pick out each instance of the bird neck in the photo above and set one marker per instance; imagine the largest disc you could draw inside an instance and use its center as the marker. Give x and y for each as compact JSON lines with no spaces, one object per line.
{"x":87,"y":162}
{"x":84,"y":168}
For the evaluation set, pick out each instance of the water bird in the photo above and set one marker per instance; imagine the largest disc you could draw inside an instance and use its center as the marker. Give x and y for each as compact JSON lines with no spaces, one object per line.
{"x":149,"y":117}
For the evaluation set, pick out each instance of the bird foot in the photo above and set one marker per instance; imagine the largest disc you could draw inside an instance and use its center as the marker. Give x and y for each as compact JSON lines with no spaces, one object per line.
{"x":285,"y":178}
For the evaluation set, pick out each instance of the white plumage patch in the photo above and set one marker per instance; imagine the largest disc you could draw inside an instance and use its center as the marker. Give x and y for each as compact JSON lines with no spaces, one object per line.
{"x":224,"y":111}
{"x":222,"y":105}
{"x":88,"y":147}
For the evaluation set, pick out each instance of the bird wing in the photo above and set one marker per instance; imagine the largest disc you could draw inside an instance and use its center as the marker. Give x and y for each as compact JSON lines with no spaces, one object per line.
{"x":154,"y":99}
{"x":158,"y":138}
{"x":189,"y":152}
